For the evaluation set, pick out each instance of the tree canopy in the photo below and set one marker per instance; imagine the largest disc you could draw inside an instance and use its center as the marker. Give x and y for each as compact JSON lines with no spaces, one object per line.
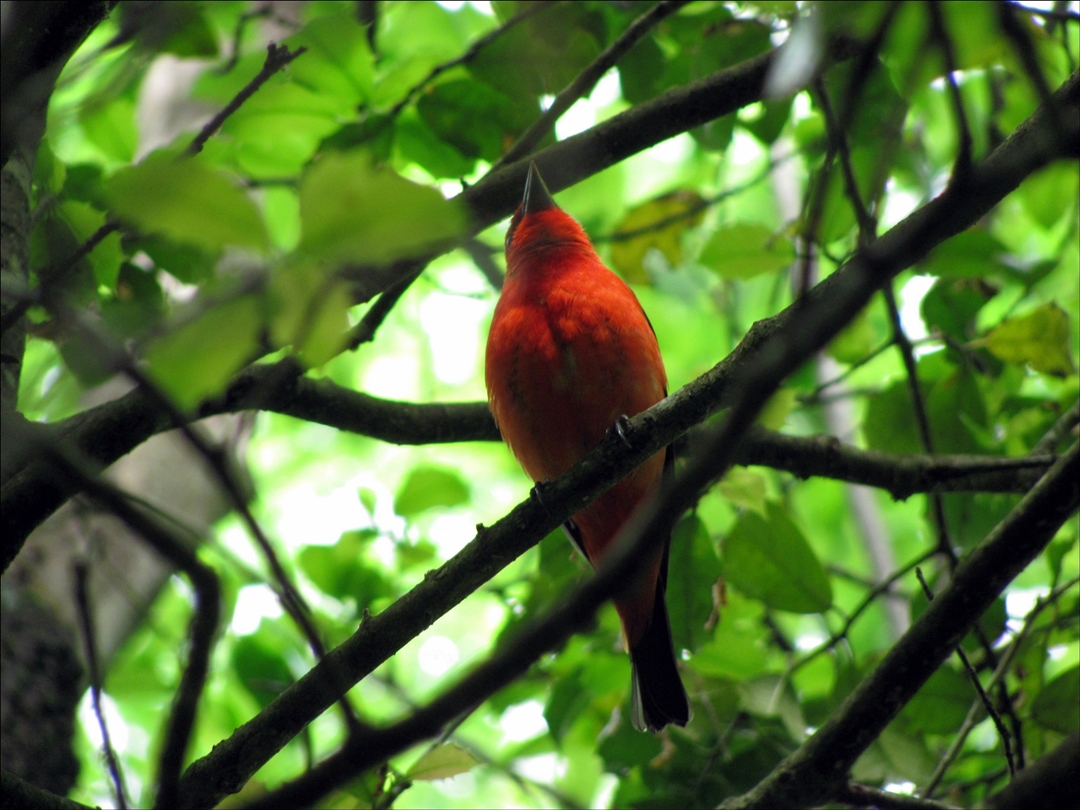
{"x":855,"y":229}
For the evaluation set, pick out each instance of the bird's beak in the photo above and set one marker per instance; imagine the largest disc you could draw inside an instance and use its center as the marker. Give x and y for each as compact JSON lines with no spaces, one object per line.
{"x":537,"y":197}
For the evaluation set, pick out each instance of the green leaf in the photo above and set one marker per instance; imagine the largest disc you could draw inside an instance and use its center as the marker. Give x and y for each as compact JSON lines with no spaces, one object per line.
{"x":263,"y":671}
{"x":199,"y":358}
{"x":187,"y":201}
{"x":855,"y":341}
{"x":342,"y":571}
{"x":137,"y":304}
{"x":940,"y":706}
{"x":770,"y":560}
{"x":278,"y":129}
{"x":747,"y":250}
{"x":310,"y":312}
{"x":352,"y":211}
{"x":105,"y":258}
{"x":428,"y":487}
{"x":338,"y":61}
{"x":744,"y":488}
{"x":111,"y":128}
{"x":567,"y":700}
{"x":627,"y":254}
{"x":971,"y":253}
{"x":627,"y":747}
{"x":951,"y":305}
{"x":186,"y":263}
{"x":473,"y":117}
{"x":693,"y":569}
{"x":890,"y":421}
{"x":776,"y":410}
{"x":772,"y":696}
{"x":641,"y":71}
{"x":417,"y":143}
{"x":540,"y":55}
{"x":1041,"y":339}
{"x":1057,"y":706}
{"x":442,"y":762}
{"x":1049,"y":193}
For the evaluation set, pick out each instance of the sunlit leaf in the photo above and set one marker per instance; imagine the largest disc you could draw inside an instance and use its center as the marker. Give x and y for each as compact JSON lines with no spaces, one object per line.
{"x":343,"y":570}
{"x":187,"y":201}
{"x":747,"y":250}
{"x":353,"y":211}
{"x":105,"y":258}
{"x":442,"y":762}
{"x":338,"y":61}
{"x":263,"y":671}
{"x":427,"y":487}
{"x":200,"y":357}
{"x":1041,"y":339}
{"x":971,"y":253}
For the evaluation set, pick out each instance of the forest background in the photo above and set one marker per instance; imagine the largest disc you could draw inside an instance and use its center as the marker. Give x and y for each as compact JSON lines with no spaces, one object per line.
{"x":854,"y":227}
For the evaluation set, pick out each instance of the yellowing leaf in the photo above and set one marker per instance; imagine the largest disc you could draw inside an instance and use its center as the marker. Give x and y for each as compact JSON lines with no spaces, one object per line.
{"x":441,"y":763}
{"x":353,"y":211}
{"x":747,"y":250}
{"x":744,"y":488}
{"x":1040,"y":339}
{"x":627,"y":254}
{"x":186,"y":200}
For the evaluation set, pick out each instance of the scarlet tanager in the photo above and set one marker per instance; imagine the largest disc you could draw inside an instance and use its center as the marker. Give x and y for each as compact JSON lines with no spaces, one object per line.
{"x":570,"y":352}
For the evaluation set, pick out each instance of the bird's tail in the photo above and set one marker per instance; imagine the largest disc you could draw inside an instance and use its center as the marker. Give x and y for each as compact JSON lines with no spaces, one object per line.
{"x":657,"y":695}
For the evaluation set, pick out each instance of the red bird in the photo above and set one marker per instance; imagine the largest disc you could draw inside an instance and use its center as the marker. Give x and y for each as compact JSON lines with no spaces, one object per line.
{"x":570,"y":352}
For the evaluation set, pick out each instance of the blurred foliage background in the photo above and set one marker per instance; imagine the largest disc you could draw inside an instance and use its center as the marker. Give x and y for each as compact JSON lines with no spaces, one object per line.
{"x":351,"y":156}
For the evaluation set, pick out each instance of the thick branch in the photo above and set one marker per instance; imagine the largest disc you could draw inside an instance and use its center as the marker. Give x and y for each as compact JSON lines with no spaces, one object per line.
{"x":1050,"y":782}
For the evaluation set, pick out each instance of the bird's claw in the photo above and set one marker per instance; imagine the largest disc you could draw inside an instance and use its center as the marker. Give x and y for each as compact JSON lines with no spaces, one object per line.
{"x":536,"y":493}
{"x":622,"y":429}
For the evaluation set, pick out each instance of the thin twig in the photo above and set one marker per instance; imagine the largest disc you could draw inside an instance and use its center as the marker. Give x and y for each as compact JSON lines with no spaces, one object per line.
{"x":983,"y":698}
{"x":238,"y":34}
{"x":838,"y":138}
{"x":922,"y":420}
{"x":86,"y":626}
{"x":54,"y":275}
{"x":584,"y":82}
{"x":470,"y":54}
{"x":277,"y":57}
{"x":938,"y":32}
{"x":691,"y":210}
{"x":364,"y":332}
{"x":878,"y":590}
{"x":72,"y":464}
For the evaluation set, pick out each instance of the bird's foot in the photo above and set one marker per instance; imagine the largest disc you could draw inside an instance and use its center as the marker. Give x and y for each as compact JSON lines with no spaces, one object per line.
{"x":622,"y":429}
{"x":537,"y":493}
